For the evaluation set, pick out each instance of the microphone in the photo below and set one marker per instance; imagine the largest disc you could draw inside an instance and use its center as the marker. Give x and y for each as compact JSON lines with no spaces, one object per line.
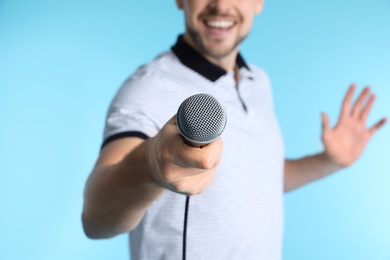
{"x":201,"y":119}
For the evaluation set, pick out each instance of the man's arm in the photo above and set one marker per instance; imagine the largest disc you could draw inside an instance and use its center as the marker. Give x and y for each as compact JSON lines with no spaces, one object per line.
{"x":119,"y":189}
{"x":343,"y":144}
{"x":308,"y":169}
{"x":131,"y":173}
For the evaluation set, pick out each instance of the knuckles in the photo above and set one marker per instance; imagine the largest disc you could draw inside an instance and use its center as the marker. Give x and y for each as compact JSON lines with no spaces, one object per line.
{"x":168,"y":174}
{"x":181,"y":187}
{"x":206,"y":162}
{"x":176,"y":167}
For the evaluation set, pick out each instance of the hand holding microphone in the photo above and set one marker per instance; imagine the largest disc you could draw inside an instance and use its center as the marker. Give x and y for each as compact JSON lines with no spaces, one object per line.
{"x":177,"y":161}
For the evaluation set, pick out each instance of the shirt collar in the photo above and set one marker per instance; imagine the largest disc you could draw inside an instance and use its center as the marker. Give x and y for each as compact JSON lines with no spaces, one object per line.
{"x":195,"y":61}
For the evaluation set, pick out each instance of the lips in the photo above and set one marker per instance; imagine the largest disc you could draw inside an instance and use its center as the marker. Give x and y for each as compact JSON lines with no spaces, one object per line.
{"x":219,"y":24}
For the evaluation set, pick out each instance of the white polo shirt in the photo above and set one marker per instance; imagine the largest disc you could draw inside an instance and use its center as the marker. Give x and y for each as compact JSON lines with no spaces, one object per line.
{"x":240,"y":214}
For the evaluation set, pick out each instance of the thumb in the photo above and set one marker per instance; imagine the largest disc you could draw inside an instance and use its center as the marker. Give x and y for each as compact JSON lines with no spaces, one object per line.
{"x":172,"y":120}
{"x":325,"y":122}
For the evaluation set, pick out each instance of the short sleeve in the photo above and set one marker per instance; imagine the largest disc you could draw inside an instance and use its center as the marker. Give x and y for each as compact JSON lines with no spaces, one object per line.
{"x":134,"y":111}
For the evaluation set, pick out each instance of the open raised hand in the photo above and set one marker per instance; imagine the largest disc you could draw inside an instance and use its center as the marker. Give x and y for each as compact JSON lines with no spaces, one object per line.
{"x":345,"y":142}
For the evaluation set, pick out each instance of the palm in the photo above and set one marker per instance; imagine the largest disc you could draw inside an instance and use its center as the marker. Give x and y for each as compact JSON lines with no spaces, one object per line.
{"x":346,"y":141}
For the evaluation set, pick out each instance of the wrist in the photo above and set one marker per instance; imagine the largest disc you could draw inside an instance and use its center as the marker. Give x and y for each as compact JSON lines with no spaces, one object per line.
{"x":332,"y":165}
{"x":151,"y":158}
{"x":141,"y":158}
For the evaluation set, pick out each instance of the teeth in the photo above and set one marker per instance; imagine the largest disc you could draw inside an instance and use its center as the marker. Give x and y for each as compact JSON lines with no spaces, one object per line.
{"x":220,"y":24}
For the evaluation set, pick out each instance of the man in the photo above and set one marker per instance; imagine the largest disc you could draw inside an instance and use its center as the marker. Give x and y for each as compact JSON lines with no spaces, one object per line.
{"x":145,"y":167}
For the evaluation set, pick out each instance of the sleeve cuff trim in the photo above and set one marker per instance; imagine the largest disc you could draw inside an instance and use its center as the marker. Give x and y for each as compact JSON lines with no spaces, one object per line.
{"x":122,"y":135}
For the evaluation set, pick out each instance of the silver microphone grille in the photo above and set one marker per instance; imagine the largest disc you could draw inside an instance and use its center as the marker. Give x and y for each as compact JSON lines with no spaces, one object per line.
{"x":201,"y":119}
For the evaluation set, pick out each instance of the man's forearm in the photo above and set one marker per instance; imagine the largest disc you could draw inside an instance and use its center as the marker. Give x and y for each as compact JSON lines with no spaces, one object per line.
{"x":117,"y":196}
{"x":303,"y":171}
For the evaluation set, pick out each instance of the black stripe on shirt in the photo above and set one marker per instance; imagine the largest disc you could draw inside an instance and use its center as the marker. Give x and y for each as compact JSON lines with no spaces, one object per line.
{"x":122,"y":135}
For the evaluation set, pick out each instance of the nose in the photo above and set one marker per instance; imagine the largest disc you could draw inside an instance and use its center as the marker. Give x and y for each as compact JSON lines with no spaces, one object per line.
{"x":221,"y":6}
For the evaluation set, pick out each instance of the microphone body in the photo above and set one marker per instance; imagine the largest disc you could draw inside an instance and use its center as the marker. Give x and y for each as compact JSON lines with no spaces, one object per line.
{"x":201,"y":119}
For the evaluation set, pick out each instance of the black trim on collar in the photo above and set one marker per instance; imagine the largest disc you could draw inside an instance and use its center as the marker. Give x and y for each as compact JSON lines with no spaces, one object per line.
{"x":195,"y":61}
{"x":122,"y":135}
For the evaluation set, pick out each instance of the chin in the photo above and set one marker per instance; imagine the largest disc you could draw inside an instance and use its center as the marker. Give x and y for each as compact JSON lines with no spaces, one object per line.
{"x":219,"y":51}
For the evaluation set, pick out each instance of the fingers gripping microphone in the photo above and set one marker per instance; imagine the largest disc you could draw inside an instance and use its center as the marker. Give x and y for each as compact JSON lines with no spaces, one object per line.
{"x":201,"y":119}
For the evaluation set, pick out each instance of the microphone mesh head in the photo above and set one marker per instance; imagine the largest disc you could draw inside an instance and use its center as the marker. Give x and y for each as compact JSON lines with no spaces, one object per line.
{"x":201,"y":119}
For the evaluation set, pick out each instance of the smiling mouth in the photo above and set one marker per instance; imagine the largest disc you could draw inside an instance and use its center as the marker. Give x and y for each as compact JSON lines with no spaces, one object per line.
{"x":219,"y":24}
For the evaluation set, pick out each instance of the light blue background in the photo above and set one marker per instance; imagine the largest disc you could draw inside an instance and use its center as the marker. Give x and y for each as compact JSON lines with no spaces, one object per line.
{"x":62,"y":61}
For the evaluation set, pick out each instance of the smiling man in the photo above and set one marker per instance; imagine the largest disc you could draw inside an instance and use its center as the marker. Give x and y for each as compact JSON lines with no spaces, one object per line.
{"x":216,"y":28}
{"x":145,"y":167}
